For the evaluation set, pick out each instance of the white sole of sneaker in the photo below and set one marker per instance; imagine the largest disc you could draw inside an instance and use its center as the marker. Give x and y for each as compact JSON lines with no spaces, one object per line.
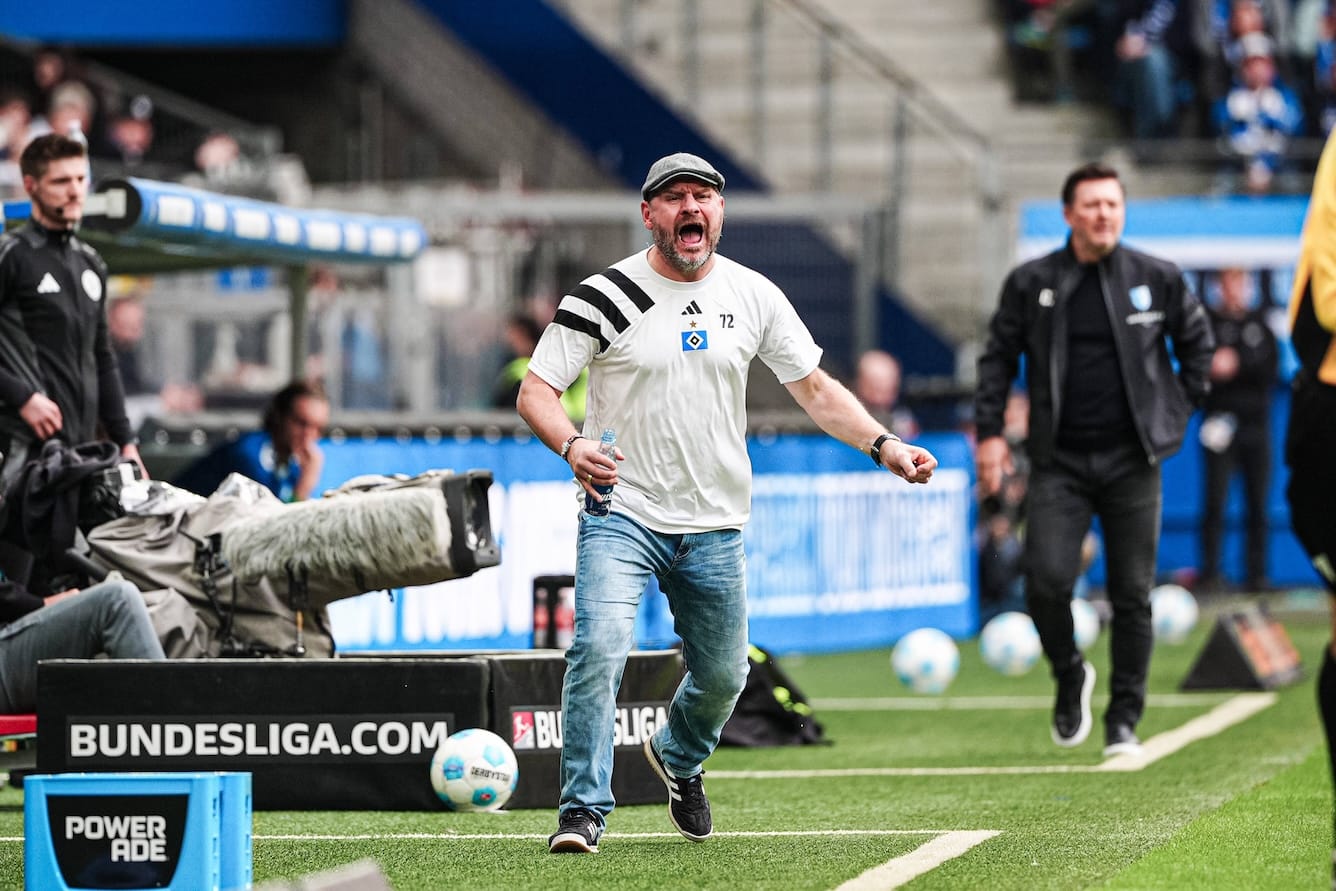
{"x":653,"y":758}
{"x":1083,"y":730}
{"x":1123,"y":748}
{"x":571,"y":843}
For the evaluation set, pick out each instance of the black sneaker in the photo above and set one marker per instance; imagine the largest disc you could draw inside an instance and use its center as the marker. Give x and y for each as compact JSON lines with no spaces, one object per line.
{"x":1120,"y":739}
{"x":688,"y":807}
{"x":578,"y":831}
{"x":1071,"y":713}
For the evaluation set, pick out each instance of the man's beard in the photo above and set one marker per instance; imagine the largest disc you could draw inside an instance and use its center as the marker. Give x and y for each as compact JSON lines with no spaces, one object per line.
{"x":666,"y":241}
{"x":54,"y":215}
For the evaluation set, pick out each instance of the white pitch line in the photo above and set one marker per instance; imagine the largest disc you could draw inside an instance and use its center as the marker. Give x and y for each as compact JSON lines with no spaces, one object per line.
{"x":992,"y":703}
{"x":895,"y":872}
{"x":1227,"y":714}
{"x":529,"y":836}
{"x":925,"y":858}
{"x":1236,"y":709}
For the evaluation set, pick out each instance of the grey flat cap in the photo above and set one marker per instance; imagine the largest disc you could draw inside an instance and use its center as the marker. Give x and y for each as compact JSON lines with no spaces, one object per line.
{"x":669,"y":168}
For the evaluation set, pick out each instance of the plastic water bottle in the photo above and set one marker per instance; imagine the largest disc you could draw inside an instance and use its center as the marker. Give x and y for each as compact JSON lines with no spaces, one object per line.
{"x":598,"y":507}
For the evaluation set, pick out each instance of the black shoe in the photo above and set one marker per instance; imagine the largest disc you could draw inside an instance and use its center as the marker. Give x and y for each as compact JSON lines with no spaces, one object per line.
{"x":688,"y":807}
{"x":1071,"y":713}
{"x":578,"y":831}
{"x":1120,"y":739}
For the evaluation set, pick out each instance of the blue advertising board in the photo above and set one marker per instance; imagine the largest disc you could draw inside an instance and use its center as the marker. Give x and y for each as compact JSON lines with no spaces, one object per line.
{"x":840,"y":555}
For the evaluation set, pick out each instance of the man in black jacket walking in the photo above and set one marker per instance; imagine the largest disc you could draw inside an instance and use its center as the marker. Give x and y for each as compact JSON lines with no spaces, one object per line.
{"x":1106,"y":407}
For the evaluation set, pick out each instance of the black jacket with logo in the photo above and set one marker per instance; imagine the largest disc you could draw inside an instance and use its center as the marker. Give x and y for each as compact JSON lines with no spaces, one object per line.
{"x":1248,"y":394}
{"x":1147,"y":301}
{"x":53,"y":335}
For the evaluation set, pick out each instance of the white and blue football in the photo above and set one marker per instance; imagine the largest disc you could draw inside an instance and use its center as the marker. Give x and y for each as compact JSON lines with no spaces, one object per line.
{"x":474,"y":770}
{"x":926,"y":660}
{"x":1009,"y":644}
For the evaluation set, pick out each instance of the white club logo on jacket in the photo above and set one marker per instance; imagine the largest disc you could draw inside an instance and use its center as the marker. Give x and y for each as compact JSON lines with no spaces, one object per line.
{"x":92,"y":285}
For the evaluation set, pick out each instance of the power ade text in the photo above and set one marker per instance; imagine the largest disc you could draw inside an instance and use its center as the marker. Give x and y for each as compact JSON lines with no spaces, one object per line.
{"x":134,"y":839}
{"x":119,"y":741}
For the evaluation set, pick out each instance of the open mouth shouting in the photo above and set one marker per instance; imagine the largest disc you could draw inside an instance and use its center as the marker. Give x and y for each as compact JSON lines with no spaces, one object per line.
{"x":691,"y":235}
{"x":688,"y":247}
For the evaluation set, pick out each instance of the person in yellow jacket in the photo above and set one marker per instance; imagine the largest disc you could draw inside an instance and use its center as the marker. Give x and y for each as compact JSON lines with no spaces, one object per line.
{"x":522,"y":333}
{"x":1310,"y":441}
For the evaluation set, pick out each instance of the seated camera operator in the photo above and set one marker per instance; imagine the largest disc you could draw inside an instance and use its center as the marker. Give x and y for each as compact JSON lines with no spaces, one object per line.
{"x":108,"y":618}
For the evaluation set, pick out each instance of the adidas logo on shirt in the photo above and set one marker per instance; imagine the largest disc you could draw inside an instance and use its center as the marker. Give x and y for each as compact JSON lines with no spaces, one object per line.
{"x":48,"y":285}
{"x":692,"y":309}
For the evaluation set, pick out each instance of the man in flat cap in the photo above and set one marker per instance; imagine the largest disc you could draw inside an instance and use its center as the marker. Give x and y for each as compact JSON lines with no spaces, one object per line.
{"x":668,"y":335}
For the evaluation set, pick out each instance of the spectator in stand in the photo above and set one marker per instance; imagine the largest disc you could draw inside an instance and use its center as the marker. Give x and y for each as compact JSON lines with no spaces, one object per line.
{"x":15,"y":126}
{"x":216,"y":153}
{"x":51,"y":67}
{"x":130,"y":133}
{"x":1324,"y":72}
{"x":1153,"y":55}
{"x":72,"y":103}
{"x":1219,"y":29}
{"x":144,"y":394}
{"x":1040,"y":31}
{"x":1258,"y":117}
{"x":1236,"y":431}
{"x":877,"y":386}
{"x":284,"y":455}
{"x":109,"y":618}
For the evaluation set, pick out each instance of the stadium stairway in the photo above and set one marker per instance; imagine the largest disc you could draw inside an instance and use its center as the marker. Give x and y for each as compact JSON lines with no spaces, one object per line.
{"x":426,"y":66}
{"x":953,"y":50}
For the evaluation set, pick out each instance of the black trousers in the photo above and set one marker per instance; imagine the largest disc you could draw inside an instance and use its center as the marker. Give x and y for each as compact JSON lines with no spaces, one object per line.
{"x":1310,"y":452}
{"x":1123,"y":489}
{"x":1249,"y":456}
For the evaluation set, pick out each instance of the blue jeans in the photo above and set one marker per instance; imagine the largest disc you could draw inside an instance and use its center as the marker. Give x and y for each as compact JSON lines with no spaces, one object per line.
{"x":704,"y":576}
{"x":1150,"y":89}
{"x":107,"y":618}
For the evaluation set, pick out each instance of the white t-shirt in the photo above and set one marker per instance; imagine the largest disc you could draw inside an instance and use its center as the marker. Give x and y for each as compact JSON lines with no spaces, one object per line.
{"x":668,"y":366}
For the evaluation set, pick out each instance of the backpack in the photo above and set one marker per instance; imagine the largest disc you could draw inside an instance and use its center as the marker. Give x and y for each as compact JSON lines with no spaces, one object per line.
{"x":771,"y":711}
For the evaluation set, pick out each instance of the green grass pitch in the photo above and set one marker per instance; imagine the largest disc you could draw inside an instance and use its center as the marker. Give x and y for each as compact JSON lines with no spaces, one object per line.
{"x":959,"y":791}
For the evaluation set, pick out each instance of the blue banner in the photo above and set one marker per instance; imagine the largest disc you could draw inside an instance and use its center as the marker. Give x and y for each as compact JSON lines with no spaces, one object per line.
{"x":840,"y":555}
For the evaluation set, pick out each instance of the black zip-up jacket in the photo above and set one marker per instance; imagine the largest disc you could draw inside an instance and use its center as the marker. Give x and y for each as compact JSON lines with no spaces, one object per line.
{"x":1147,"y":301}
{"x":1248,"y":394}
{"x":53,"y":335}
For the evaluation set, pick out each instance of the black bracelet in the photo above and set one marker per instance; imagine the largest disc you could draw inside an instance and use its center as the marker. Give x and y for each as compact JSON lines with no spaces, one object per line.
{"x":875,"y":449}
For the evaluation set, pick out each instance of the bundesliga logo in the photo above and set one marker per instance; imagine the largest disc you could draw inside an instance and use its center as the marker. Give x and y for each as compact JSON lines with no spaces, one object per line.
{"x":541,"y":728}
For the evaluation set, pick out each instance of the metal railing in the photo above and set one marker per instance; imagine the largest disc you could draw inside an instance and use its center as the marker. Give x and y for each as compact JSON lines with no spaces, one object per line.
{"x":813,"y":106}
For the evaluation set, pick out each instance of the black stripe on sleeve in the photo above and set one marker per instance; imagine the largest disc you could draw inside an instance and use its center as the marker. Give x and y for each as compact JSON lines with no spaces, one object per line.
{"x":568,"y":319}
{"x":603,"y":303}
{"x":633,"y":292}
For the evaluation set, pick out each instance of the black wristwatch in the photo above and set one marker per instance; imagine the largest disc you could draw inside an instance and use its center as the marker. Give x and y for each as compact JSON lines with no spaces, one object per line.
{"x":875,"y":449}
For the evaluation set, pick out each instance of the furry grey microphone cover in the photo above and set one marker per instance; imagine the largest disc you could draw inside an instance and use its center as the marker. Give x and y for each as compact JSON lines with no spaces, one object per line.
{"x":347,"y":545}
